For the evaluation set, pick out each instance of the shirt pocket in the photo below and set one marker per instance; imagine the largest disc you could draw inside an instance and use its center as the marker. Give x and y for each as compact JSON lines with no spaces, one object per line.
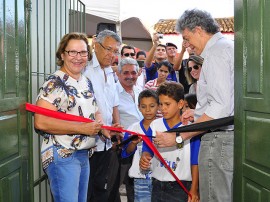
{"x":227,"y":155}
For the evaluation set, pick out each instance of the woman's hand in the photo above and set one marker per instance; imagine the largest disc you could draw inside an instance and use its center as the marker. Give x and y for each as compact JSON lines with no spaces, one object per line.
{"x":90,"y":128}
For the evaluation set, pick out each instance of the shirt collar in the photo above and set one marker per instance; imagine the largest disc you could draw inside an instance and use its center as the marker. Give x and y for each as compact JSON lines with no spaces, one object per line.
{"x":211,"y":42}
{"x":95,"y":61}
{"x":121,"y":89}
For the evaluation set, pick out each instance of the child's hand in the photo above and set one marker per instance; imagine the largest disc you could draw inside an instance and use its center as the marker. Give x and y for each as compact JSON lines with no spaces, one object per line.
{"x":145,"y":161}
{"x":137,"y":140}
{"x":195,"y":196}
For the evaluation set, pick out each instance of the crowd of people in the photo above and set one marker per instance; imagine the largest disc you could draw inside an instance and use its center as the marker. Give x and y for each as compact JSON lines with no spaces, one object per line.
{"x":149,"y":94}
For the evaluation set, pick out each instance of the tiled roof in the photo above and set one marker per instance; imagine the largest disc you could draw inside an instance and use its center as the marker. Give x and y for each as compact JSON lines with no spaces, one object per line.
{"x":168,"y":26}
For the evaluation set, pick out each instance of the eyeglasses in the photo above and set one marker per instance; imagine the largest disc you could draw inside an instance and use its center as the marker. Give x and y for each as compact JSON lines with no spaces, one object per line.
{"x":129,"y":54}
{"x":196,"y":67}
{"x":110,"y":50}
{"x":75,"y":53}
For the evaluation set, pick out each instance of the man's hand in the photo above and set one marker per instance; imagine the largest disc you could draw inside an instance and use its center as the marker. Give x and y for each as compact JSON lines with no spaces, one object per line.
{"x":155,"y":39}
{"x":165,"y":139}
{"x":184,"y":46}
{"x":188,"y":116}
{"x":108,"y":134}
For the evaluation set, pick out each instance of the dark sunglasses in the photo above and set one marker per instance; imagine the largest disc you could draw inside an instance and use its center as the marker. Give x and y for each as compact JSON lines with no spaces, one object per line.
{"x":129,"y":54}
{"x":196,"y":67}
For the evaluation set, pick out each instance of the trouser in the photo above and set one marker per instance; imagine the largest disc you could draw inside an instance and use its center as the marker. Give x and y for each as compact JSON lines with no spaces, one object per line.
{"x":114,"y":179}
{"x":216,"y":166}
{"x":104,"y":177}
{"x":169,"y":191}
{"x":68,"y":177}
{"x":142,"y":190}
{"x":124,"y":178}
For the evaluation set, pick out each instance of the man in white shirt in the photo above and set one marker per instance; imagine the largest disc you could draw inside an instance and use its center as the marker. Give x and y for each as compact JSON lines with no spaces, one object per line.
{"x":215,"y":95}
{"x":129,"y":51}
{"x":99,"y":71}
{"x":128,"y":109}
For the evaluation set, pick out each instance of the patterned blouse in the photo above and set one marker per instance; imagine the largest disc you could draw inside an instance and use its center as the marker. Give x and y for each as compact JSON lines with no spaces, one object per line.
{"x":72,"y":97}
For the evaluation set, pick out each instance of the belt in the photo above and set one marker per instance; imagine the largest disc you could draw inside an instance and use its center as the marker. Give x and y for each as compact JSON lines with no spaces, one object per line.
{"x":220,"y":130}
{"x":169,"y":182}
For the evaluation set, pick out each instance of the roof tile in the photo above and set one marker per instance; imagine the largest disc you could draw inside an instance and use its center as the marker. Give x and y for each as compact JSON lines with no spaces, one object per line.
{"x":167,"y":26}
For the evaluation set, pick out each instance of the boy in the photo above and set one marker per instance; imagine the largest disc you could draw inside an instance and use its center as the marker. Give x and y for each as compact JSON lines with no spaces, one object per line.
{"x":183,"y":158}
{"x":148,"y":105}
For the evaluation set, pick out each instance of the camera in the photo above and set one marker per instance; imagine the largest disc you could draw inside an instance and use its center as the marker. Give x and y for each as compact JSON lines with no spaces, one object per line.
{"x":160,"y":36}
{"x":140,"y":63}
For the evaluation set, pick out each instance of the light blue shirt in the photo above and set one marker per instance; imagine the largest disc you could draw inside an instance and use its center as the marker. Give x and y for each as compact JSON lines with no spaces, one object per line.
{"x":215,"y":87}
{"x":128,"y":109}
{"x":105,"y":92}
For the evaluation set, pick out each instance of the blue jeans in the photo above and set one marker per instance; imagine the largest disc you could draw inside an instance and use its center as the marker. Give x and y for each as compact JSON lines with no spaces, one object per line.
{"x":169,"y":191}
{"x":69,"y":176}
{"x":216,"y":167}
{"x":142,"y":190}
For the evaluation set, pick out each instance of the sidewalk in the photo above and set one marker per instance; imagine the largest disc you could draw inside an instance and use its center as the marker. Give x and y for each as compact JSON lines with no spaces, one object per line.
{"x":123,"y":193}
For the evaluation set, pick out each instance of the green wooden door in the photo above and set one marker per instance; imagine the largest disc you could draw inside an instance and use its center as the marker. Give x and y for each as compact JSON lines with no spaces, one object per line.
{"x":252,"y":101}
{"x":14,"y":163}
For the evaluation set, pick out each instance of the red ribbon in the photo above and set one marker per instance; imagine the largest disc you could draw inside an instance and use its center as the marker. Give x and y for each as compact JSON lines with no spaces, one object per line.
{"x":70,"y":117}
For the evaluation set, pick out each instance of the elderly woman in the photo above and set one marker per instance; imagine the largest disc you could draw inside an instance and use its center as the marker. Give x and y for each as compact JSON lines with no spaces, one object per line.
{"x":193,"y":71}
{"x":66,"y":144}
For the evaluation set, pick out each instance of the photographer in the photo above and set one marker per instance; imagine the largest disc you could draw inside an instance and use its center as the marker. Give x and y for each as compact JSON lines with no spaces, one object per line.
{"x":156,"y":55}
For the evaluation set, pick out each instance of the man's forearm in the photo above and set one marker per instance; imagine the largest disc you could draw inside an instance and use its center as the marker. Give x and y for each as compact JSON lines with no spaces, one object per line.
{"x":189,"y":135}
{"x":115,"y":115}
{"x":150,"y":56}
{"x":178,"y":61}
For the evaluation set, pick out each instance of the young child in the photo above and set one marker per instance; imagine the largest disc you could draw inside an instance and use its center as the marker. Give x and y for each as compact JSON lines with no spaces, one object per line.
{"x":163,"y":69}
{"x":183,"y":159}
{"x":190,"y":101}
{"x":148,"y":105}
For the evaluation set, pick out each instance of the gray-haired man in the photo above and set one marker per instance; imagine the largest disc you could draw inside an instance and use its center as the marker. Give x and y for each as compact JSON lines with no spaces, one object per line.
{"x":128,"y":109}
{"x":215,"y":94}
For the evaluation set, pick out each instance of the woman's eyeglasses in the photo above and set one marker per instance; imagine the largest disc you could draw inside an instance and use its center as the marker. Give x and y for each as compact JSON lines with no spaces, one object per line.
{"x":75,"y":53}
{"x":196,"y":67}
{"x":129,"y":54}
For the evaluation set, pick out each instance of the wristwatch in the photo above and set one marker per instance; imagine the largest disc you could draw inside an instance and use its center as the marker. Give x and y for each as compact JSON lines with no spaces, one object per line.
{"x":178,"y":138}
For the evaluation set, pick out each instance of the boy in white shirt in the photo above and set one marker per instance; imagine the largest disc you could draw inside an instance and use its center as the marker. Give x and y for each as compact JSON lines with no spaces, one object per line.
{"x":183,"y":158}
{"x":148,"y":105}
